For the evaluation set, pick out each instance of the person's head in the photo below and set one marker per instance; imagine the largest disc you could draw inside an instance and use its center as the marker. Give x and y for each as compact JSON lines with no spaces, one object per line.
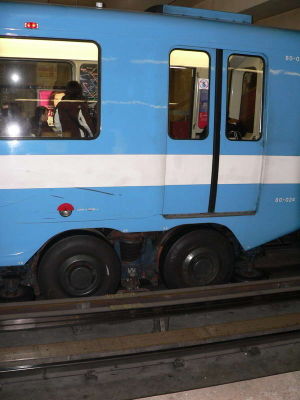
{"x":73,"y":90}
{"x":55,"y":98}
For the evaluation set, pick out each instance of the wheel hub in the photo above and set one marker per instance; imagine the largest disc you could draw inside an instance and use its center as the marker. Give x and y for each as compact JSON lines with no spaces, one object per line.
{"x":79,"y":276}
{"x":200,"y":267}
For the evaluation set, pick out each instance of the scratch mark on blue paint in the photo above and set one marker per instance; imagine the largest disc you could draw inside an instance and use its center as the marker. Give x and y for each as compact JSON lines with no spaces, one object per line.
{"x":97,"y":191}
{"x":276,"y":71}
{"x":292,"y":73}
{"x":283,"y":72}
{"x":59,"y":197}
{"x":11,"y":203}
{"x":149,"y":61}
{"x":133,"y":102}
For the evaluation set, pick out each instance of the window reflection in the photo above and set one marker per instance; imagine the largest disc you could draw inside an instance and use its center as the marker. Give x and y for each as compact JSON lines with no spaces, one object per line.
{"x":32,"y":87}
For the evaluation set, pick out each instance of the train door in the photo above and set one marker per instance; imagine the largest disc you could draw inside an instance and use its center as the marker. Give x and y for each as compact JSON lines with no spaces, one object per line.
{"x":241,"y":145}
{"x":190,"y":131}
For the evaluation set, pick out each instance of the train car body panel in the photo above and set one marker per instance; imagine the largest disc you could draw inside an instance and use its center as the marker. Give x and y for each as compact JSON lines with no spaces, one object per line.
{"x":133,"y":177}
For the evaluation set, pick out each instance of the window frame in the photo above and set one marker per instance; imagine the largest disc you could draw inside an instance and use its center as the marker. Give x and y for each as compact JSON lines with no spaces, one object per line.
{"x":208,"y":105}
{"x":98,"y":126}
{"x":228,"y":84}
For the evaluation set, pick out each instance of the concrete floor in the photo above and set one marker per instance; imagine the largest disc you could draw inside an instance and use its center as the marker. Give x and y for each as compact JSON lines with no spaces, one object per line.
{"x":276,"y":387}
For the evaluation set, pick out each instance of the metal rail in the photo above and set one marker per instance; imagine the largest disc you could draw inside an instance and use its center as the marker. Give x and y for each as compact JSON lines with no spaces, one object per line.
{"x":37,"y":355}
{"x":128,"y":365}
{"x":64,"y":312}
{"x":153,"y":373}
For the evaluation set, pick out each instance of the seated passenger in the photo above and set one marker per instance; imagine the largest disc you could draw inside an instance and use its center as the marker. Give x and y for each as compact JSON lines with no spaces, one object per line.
{"x":72,"y":113}
{"x":234,"y":130}
{"x":39,"y":124}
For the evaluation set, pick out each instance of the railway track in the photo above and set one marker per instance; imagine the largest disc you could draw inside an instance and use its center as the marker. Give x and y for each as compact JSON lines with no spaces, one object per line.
{"x":189,"y":352}
{"x":63,"y":312}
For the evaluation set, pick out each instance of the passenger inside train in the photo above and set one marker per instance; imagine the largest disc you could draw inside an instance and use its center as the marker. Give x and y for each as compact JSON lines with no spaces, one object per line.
{"x":39,"y":122}
{"x":72,"y":113}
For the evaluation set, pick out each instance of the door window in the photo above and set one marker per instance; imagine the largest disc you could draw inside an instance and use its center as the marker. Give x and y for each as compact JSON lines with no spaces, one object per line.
{"x":245,"y":93}
{"x":188,"y":94}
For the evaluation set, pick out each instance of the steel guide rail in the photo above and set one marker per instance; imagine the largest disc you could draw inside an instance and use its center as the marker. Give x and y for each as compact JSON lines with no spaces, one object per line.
{"x":29,"y":356}
{"x":276,"y":335}
{"x":149,"y":374}
{"x":63,"y":312}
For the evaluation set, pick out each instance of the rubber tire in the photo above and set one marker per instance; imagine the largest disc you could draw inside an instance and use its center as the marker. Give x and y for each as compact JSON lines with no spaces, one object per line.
{"x":100,"y":254}
{"x":206,"y":243}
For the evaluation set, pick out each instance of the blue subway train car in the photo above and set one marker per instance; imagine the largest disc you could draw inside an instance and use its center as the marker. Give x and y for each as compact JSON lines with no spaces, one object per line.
{"x":138,"y":145}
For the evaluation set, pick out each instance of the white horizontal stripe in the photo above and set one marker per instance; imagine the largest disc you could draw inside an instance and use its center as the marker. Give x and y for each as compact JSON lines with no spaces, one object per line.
{"x":188,"y":169}
{"x":240,"y":169}
{"x":65,"y":171}
{"x":281,"y":169}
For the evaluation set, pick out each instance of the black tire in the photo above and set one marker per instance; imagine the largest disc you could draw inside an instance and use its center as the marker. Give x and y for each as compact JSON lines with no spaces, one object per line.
{"x":198,"y":258}
{"x":79,"y":266}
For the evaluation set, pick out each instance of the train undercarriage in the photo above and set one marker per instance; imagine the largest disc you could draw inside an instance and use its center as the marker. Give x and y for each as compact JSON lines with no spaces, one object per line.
{"x":99,"y":262}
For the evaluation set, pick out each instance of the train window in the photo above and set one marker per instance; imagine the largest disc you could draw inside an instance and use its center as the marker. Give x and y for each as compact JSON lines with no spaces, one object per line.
{"x":188,"y":94}
{"x":48,"y":89}
{"x":245,"y":93}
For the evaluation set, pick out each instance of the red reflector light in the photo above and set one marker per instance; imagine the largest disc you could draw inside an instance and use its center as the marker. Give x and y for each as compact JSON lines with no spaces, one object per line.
{"x":31,"y":25}
{"x":65,"y":207}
